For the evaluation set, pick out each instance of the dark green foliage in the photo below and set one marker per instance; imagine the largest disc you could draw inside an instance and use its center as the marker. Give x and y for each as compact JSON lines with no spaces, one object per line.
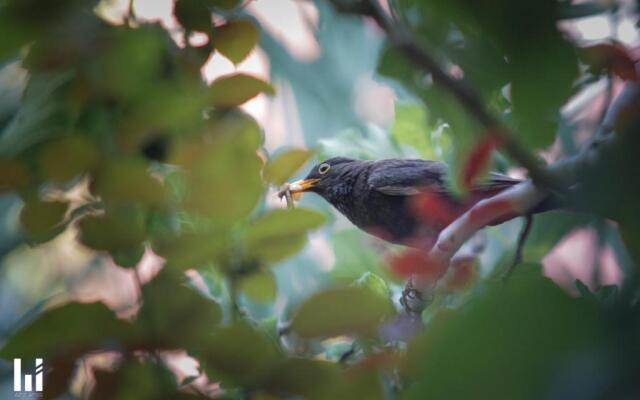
{"x":111,"y":140}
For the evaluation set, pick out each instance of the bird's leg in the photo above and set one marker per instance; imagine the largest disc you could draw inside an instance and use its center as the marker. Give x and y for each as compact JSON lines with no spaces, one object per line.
{"x":414,"y":300}
{"x":522,"y":238}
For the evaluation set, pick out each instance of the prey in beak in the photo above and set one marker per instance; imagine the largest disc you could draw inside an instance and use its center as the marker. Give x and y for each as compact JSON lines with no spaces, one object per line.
{"x":293,"y":191}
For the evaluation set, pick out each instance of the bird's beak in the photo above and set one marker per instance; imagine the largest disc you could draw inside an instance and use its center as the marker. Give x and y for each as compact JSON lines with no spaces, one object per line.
{"x":298,"y":187}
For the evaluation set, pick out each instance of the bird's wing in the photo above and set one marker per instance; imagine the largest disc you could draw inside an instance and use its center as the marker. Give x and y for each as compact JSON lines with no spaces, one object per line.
{"x":407,"y":177}
{"x":397,"y":177}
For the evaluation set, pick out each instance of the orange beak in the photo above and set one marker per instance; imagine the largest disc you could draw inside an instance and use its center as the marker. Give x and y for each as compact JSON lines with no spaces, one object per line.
{"x":298,"y":187}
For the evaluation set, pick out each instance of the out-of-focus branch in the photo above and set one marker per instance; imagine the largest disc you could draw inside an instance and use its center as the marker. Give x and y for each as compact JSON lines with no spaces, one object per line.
{"x":466,"y":96}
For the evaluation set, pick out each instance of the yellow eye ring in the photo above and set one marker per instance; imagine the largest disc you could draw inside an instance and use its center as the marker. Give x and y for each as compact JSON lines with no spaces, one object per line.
{"x":324,"y":168}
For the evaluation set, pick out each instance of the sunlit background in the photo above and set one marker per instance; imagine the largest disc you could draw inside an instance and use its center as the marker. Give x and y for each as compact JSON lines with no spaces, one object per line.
{"x":330,"y":98}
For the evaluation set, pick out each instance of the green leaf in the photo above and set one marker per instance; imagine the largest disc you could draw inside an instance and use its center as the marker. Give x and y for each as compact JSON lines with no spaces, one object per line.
{"x":233,"y":90}
{"x":281,"y":233}
{"x":239,"y":354}
{"x":282,"y":167}
{"x":223,"y":175}
{"x":129,"y":181}
{"x":374,"y":283}
{"x":341,"y":311}
{"x":193,"y":15}
{"x":260,"y":286}
{"x":224,"y":5}
{"x":235,"y":39}
{"x":65,"y":331}
{"x":80,"y":155}
{"x":136,"y":378}
{"x":301,"y":377}
{"x":43,"y":219}
{"x":192,"y":250}
{"x":184,"y":320}
{"x":116,"y":232}
{"x":529,"y":319}
{"x":13,"y":174}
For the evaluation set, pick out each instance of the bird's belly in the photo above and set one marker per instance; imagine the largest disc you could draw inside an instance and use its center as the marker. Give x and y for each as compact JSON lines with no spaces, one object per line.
{"x":391,"y":218}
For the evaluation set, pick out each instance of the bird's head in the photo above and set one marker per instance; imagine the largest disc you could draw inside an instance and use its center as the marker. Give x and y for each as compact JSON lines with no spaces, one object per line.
{"x":329,"y":179}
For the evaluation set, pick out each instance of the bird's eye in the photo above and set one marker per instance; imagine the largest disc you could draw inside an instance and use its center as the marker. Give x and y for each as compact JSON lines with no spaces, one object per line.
{"x":324,"y":168}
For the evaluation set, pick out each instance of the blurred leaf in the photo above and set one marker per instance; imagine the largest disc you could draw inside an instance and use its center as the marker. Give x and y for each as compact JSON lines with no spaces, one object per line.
{"x":282,"y":167}
{"x":80,"y":155}
{"x":223,"y":176}
{"x":225,"y":5}
{"x":239,"y":354}
{"x":529,"y":320}
{"x":135,"y":379}
{"x":42,"y":220}
{"x":280,"y":233}
{"x":160,"y":316}
{"x":193,"y":15}
{"x":115,"y":232}
{"x":412,"y":127}
{"x":341,"y":311}
{"x":13,"y":174}
{"x":376,"y":284}
{"x":301,"y":377}
{"x":478,"y":161}
{"x":128,"y":181}
{"x":65,"y":331}
{"x":260,"y":286}
{"x":235,"y":39}
{"x":192,"y":250}
{"x":233,"y":90}
{"x":614,"y":58}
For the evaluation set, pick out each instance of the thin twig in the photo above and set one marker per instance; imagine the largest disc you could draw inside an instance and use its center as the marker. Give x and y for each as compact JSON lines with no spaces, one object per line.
{"x":522,"y":239}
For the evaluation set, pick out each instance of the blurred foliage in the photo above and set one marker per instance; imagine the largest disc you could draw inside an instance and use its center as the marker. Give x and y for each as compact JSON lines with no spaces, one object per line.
{"x":109,"y":135}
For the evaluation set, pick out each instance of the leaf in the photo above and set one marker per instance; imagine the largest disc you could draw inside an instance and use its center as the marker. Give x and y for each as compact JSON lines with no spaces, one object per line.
{"x":224,"y":5}
{"x":235,"y":39}
{"x":529,"y":319}
{"x":115,"y":232}
{"x":341,"y":311}
{"x":193,"y":15}
{"x":260,"y":286}
{"x":615,"y":58}
{"x":137,"y":378}
{"x":282,"y":167}
{"x":192,"y":250}
{"x":239,"y":354}
{"x":43,"y":219}
{"x":67,"y":158}
{"x":65,"y":331}
{"x":417,"y":262}
{"x":13,"y":174}
{"x":374,"y":283}
{"x":281,"y":233}
{"x":478,"y":160}
{"x":196,"y":315}
{"x":233,"y":90}
{"x":129,"y":181}
{"x":301,"y":377}
{"x":223,"y":176}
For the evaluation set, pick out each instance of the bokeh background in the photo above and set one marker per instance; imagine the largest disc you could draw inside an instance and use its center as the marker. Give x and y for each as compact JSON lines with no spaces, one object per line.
{"x":129,"y":146}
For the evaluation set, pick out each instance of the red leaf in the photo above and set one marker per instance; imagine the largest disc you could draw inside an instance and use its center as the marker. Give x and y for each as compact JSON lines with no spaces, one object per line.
{"x":615,"y":58}
{"x":417,"y":262}
{"x":464,"y":272}
{"x":478,"y":159}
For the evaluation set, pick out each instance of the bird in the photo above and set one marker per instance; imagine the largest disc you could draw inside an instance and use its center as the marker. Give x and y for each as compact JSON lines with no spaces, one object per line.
{"x":402,"y":201}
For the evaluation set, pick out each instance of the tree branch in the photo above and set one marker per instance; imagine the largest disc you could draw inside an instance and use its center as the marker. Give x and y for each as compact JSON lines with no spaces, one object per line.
{"x":465,"y":95}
